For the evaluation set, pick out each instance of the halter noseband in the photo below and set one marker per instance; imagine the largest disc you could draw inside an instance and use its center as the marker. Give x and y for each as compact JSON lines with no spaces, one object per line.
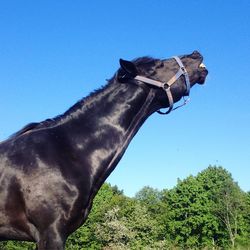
{"x":167,"y":85}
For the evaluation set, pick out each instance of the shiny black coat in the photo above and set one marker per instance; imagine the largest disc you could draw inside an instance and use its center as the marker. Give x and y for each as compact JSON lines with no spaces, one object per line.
{"x":51,"y":171}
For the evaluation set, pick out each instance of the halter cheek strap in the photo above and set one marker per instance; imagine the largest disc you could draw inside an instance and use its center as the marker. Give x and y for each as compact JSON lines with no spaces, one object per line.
{"x":166,"y":86}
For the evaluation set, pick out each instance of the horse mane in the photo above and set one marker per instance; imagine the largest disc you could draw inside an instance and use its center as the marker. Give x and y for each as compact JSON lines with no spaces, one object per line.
{"x":146,"y":60}
{"x":58,"y":119}
{"x":25,"y":129}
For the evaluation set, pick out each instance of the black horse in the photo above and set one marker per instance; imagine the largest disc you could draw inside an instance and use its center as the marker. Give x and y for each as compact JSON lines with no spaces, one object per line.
{"x":51,"y":171}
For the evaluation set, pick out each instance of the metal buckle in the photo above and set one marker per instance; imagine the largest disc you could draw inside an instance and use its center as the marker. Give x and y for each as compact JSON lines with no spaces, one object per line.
{"x":165,"y":86}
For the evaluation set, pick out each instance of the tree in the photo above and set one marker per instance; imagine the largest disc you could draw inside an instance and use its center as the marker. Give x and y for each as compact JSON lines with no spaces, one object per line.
{"x":129,"y":225}
{"x":228,"y":208}
{"x":189,"y":221}
{"x":227,"y":199}
{"x":151,"y":198}
{"x":113,"y":232}
{"x":144,"y":227}
{"x":205,"y":210}
{"x":245,"y":229}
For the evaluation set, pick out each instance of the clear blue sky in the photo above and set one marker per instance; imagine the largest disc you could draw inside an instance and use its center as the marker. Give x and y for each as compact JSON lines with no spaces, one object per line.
{"x":53,"y":53}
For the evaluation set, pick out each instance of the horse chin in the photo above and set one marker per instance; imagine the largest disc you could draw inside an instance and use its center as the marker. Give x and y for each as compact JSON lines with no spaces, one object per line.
{"x":201,"y":81}
{"x":202,"y":77}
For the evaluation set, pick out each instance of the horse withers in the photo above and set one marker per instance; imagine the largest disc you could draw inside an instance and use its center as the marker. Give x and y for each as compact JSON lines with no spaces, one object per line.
{"x":51,"y":171}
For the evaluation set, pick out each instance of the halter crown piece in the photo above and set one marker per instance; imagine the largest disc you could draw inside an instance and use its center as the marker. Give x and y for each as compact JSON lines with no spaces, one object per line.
{"x":167,"y":85}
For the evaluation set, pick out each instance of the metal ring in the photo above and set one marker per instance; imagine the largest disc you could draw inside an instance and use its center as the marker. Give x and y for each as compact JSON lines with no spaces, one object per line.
{"x":165,"y":86}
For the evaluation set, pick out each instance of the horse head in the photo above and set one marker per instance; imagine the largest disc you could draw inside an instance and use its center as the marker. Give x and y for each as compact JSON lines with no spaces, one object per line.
{"x":173,"y":76}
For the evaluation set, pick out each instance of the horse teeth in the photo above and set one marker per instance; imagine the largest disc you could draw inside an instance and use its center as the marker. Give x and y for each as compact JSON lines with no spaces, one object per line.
{"x":202,"y":65}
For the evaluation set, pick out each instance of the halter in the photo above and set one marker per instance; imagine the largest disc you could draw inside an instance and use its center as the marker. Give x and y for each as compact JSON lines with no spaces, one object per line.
{"x":167,"y":85}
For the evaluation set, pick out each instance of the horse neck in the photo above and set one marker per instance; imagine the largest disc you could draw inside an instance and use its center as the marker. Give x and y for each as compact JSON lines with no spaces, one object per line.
{"x":103,"y":127}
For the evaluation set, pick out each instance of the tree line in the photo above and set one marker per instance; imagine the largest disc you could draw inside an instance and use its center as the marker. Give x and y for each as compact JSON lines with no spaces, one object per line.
{"x":207,"y":211}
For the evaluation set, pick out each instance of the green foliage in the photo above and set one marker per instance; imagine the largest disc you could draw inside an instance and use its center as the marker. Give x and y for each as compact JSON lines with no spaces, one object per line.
{"x":17,"y":245}
{"x":152,"y":199}
{"x":208,"y":211}
{"x":244,"y":238}
{"x":189,"y":221}
{"x":113,"y":232}
{"x":228,"y":202}
{"x":205,"y":210}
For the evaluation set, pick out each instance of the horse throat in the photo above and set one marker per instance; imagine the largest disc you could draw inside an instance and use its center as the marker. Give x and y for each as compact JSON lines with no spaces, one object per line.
{"x":134,"y":126}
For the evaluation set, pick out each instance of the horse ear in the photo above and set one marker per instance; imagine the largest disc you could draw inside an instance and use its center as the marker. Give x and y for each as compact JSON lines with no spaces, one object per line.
{"x":129,"y":68}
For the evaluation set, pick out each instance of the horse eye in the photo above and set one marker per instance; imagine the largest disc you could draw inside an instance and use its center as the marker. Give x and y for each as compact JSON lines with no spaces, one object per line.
{"x":152,"y":72}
